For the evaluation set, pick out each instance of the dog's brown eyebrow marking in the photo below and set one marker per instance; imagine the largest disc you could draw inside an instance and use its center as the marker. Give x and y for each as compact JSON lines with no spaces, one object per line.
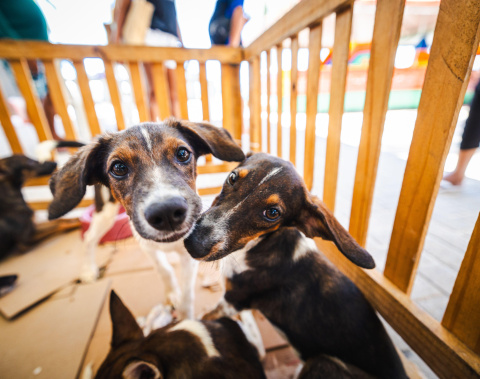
{"x":273,"y":199}
{"x":243,"y":173}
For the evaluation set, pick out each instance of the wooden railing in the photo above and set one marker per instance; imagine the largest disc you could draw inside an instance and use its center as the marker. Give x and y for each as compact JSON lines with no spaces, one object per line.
{"x":451,"y":347}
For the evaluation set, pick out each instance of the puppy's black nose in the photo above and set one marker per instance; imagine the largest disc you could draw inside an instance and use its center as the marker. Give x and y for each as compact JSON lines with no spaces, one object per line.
{"x":167,"y":215}
{"x":198,"y":243}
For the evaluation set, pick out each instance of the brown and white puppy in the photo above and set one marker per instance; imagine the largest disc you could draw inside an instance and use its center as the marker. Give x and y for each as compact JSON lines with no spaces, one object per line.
{"x":17,"y":228}
{"x":150,"y":169}
{"x":186,"y":349}
{"x":260,"y":222}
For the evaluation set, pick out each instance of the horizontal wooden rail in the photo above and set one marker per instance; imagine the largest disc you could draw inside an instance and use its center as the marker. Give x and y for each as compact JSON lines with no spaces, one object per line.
{"x":126,"y":53}
{"x":305,"y":14}
{"x":446,"y":355}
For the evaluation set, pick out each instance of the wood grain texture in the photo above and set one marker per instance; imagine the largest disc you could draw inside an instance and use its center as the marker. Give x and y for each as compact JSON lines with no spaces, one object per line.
{"x":340,"y":54}
{"x":463,"y":311}
{"x":88,"y":103}
{"x":58,"y":96}
{"x":444,"y":353}
{"x":114,"y":94}
{"x":34,"y":105}
{"x":8,"y":127}
{"x":386,"y":33}
{"x":204,"y":91}
{"x":138,"y":85}
{"x":269,"y":84}
{"x":293,"y":100}
{"x":301,"y":16}
{"x":451,"y":58}
{"x":255,"y":105}
{"x":161,"y":90}
{"x":279,"y":99}
{"x":182,"y":90}
{"x":313,"y":78}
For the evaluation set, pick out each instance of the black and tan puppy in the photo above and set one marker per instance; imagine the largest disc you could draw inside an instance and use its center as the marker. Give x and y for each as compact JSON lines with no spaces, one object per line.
{"x":17,"y":228}
{"x":261,"y":221}
{"x":187,"y":349}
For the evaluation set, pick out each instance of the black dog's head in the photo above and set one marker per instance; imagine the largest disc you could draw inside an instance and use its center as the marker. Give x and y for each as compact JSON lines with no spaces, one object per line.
{"x":261,"y":195}
{"x":150,"y":169}
{"x":16,"y":169}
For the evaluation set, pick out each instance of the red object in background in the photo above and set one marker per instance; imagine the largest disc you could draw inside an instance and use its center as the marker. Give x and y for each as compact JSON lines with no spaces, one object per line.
{"x":120,"y":230}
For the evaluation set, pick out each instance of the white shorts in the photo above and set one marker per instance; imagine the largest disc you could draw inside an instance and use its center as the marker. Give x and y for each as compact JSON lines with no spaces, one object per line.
{"x":155,"y":37}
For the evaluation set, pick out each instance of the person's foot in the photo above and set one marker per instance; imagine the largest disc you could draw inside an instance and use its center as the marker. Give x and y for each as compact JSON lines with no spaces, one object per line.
{"x":454,"y":178}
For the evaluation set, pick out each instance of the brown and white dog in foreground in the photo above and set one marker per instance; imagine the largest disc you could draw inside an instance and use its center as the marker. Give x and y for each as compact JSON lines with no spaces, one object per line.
{"x":187,"y":349}
{"x":262,"y":223}
{"x":150,"y":169}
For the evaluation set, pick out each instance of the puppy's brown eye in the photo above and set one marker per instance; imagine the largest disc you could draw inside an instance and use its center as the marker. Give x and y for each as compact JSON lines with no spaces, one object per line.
{"x":183,"y":155}
{"x":232,"y":178}
{"x":271,"y":214}
{"x":118,"y":169}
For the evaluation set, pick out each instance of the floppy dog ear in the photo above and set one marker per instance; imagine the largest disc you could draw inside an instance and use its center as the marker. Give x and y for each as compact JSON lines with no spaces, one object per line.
{"x":141,"y":369}
{"x":208,"y":139}
{"x":124,"y":326}
{"x":69,"y":184}
{"x":316,"y":220}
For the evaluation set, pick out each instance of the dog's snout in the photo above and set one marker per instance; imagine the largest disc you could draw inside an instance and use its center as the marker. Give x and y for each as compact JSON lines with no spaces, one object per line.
{"x":198,"y":244}
{"x":167,"y":215}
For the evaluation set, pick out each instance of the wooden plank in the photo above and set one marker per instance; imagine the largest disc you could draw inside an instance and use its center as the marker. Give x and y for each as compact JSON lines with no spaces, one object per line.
{"x":451,"y":58}
{"x":88,"y":103}
{"x":343,"y":27}
{"x":161,"y":89}
{"x":120,"y":53}
{"x":279,"y":99}
{"x":58,"y":96}
{"x":204,"y":91}
{"x":182,"y":90}
{"x":293,"y":100}
{"x":33,"y":103}
{"x":313,"y":78}
{"x":138,"y":85}
{"x":8,"y":127}
{"x":232,"y":100}
{"x":269,"y":132}
{"x":209,"y":191}
{"x":386,"y":33}
{"x":215,"y":168}
{"x":255,"y":105}
{"x":114,"y":94}
{"x":463,"y":310}
{"x":41,"y":205}
{"x":303,"y":15}
{"x":440,"y":349}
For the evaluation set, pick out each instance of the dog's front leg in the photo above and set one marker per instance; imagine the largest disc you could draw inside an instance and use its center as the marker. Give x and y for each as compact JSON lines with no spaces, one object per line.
{"x":189,"y":275}
{"x":101,"y":223}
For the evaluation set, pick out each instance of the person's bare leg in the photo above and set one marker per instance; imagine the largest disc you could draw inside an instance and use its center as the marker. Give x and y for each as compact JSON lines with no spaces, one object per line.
{"x":172,"y":84}
{"x":50,"y":114}
{"x":237,"y":23}
{"x":464,"y":157}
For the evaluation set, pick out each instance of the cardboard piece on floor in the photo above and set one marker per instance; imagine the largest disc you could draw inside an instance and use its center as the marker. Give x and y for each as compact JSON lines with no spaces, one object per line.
{"x":50,"y":340}
{"x":128,"y":257}
{"x":270,"y":336}
{"x":281,"y":363}
{"x":44,"y":270}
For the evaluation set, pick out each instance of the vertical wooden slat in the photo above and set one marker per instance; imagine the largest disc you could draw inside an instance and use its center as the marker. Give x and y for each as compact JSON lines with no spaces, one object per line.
{"x":161,"y":90}
{"x":313,"y":77}
{"x":227,"y":98}
{"x":451,"y":58}
{"x":58,"y":98}
{"x":182,"y":90}
{"x":88,"y":103}
{"x":255,"y":106}
{"x":293,"y":100}
{"x":139,"y":91}
{"x":386,"y":33}
{"x":8,"y":127}
{"x":462,"y":316}
{"x":204,"y":91}
{"x":114,"y":94}
{"x":279,"y":99}
{"x":343,"y":27}
{"x":269,"y":132}
{"x":231,"y":100}
{"x":33,"y":103}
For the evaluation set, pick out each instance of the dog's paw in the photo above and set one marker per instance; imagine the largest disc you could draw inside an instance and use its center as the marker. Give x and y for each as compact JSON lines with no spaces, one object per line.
{"x":89,"y":274}
{"x":174,"y":298}
{"x":159,"y":316}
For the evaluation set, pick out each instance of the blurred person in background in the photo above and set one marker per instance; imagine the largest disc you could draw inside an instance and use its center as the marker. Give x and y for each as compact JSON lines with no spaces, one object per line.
{"x":163,"y":32}
{"x":227,"y":22}
{"x":23,"y":20}
{"x":470,"y":141}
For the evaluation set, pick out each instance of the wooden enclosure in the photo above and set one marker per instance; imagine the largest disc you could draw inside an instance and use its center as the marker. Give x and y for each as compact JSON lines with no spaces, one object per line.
{"x":451,"y":347}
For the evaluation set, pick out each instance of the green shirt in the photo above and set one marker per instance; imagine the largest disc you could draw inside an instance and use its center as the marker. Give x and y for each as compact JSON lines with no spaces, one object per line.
{"x":22,"y":19}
